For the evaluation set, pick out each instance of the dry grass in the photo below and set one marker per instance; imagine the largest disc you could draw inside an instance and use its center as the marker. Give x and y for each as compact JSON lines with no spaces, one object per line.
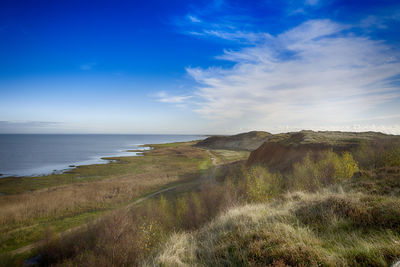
{"x":329,"y":228}
{"x":23,"y":217}
{"x":124,"y":238}
{"x":285,"y":233}
{"x":240,"y":216}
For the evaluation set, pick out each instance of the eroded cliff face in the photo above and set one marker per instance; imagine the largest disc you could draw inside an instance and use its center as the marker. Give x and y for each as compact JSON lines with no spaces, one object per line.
{"x":280,"y":157}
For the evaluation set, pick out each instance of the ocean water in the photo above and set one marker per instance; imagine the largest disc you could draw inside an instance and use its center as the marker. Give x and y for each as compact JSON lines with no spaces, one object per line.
{"x":38,"y":154}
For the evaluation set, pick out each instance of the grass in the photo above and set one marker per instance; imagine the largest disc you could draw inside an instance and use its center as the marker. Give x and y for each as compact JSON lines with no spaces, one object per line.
{"x":34,"y":232}
{"x":285,"y":232}
{"x":89,"y":191}
{"x":229,"y":215}
{"x":89,"y":173}
{"x":229,"y":156}
{"x":348,"y":222}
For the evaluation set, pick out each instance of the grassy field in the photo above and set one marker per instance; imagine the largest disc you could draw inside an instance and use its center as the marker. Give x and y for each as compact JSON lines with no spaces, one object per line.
{"x":223,"y":156}
{"x":216,"y":211}
{"x":33,"y":204}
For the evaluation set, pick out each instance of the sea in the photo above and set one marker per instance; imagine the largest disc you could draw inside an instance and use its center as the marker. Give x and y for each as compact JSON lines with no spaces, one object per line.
{"x":42,"y":154}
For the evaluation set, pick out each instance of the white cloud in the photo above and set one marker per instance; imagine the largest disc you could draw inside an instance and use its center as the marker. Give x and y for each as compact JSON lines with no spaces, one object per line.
{"x":311,"y":75}
{"x":193,"y":19}
{"x":163,"y":97}
{"x":236,"y":36}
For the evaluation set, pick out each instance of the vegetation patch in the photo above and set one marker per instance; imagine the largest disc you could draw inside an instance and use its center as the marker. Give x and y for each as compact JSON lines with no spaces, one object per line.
{"x":270,"y":234}
{"x":94,"y":190}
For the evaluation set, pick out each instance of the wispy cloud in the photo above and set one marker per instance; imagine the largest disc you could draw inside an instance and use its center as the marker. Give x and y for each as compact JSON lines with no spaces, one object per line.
{"x":216,"y":20}
{"x":380,"y":21}
{"x":163,"y":97}
{"x":311,"y":75}
{"x":193,"y":19}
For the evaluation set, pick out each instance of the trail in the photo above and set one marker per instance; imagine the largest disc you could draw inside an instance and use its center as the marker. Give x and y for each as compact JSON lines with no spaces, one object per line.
{"x":136,"y":202}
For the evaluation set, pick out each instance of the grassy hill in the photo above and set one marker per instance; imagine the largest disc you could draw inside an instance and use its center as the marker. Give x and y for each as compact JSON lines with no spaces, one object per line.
{"x":245,"y":141}
{"x":299,"y":199}
{"x":301,"y":229}
{"x":351,"y":220}
{"x":281,"y":151}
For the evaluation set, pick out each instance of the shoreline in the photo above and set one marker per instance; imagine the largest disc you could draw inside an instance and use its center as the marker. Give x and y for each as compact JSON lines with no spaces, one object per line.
{"x":110,"y":166}
{"x":73,"y":166}
{"x":103,"y":159}
{"x":30,"y":206}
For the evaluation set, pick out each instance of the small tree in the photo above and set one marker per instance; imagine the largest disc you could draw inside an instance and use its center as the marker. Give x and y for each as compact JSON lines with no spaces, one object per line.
{"x":331,"y":168}
{"x":345,"y":167}
{"x":261,"y":184}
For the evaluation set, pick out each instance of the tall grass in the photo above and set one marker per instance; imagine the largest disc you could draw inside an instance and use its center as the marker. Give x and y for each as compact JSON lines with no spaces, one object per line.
{"x":125,"y":238}
{"x":24,"y":216}
{"x":285,"y":233}
{"x":246,"y":217}
{"x":157,"y":219}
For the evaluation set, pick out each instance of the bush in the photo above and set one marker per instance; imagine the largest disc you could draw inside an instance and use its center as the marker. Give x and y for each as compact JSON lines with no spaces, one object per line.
{"x":391,"y":158}
{"x":378,"y":153}
{"x":303,"y":229}
{"x":329,"y":169}
{"x":262,"y":185}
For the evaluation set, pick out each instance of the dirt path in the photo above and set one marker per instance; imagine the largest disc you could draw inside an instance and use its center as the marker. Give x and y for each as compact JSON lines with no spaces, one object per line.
{"x":136,"y":202}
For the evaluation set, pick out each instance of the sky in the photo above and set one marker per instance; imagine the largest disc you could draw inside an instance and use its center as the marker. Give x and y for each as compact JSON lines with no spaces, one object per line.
{"x":199,"y":67}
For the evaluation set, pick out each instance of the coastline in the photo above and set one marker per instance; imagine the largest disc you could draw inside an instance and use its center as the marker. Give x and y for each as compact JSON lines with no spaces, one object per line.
{"x":31,"y":205}
{"x":48,"y":157}
{"x":79,"y":173}
{"x":71,"y":166}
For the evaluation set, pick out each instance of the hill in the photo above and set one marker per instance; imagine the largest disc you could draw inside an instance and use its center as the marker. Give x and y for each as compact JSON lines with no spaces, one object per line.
{"x":295,"y":202}
{"x":281,"y":151}
{"x":331,"y":229}
{"x":244,"y":141}
{"x":356,"y":223}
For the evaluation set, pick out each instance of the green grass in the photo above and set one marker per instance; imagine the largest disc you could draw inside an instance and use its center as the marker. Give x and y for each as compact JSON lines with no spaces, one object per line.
{"x":174,"y":144}
{"x":164,"y":166}
{"x":228,"y":156}
{"x":88,"y":173}
{"x":34,"y":232}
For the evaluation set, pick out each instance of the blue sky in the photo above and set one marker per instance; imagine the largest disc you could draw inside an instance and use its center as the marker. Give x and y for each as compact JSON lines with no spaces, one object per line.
{"x":214,"y":66}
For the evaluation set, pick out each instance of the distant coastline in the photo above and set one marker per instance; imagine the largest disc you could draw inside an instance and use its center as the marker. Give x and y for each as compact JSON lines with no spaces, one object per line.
{"x":32,"y":155}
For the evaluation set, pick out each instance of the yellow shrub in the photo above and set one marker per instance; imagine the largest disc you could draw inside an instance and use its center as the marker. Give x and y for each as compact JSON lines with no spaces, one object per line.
{"x":331,"y":168}
{"x":261,"y":184}
{"x":345,"y":167}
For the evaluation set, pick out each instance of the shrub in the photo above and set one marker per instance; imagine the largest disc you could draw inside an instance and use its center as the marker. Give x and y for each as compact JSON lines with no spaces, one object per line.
{"x":391,"y":158}
{"x":378,"y":153}
{"x":321,"y":229}
{"x":329,"y":169}
{"x":321,"y":212}
{"x":261,"y":184}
